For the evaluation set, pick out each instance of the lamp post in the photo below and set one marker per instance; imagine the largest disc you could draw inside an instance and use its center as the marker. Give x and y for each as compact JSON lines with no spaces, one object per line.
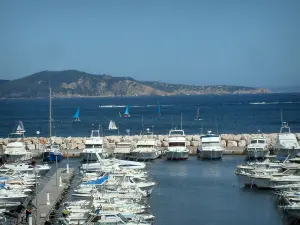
{"x":36,"y":172}
{"x":56,"y":153}
{"x":38,"y":135}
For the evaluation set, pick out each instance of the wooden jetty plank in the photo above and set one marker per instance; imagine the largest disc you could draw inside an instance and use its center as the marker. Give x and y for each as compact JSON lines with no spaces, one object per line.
{"x":44,"y":210}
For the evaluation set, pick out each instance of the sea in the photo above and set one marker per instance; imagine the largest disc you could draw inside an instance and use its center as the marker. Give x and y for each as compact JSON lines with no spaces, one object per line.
{"x":219,"y":113}
{"x":188,"y":192}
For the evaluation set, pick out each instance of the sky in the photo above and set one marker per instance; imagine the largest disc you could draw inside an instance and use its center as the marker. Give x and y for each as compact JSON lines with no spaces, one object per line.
{"x":234,"y":42}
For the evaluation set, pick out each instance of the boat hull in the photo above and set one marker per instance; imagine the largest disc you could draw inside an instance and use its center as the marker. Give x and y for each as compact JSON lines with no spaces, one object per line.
{"x":244,"y":179}
{"x":260,"y":182}
{"x":257,"y":154}
{"x":210,"y":154}
{"x":21,"y":157}
{"x":177,"y":155}
{"x":144,"y":156}
{"x":50,"y":157}
{"x":92,"y":156}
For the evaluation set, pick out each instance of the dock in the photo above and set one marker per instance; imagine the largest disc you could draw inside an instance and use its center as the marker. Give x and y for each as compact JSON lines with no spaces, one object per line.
{"x":54,"y":191}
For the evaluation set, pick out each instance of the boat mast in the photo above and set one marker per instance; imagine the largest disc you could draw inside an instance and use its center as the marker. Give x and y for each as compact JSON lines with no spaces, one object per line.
{"x":50,"y":115}
{"x":181,"y":121}
{"x":281,"y":117}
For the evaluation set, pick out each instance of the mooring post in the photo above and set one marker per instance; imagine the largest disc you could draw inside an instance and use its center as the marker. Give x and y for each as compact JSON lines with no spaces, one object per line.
{"x":60,"y":181}
{"x":30,"y":219}
{"x":48,"y":198}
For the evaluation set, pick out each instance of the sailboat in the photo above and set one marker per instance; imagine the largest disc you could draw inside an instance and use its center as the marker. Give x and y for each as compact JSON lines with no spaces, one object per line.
{"x":77,"y":115}
{"x":52,"y":152}
{"x":158,"y":113}
{"x":126,"y":113}
{"x":112,"y":125}
{"x":20,"y":128}
{"x":198,"y":114}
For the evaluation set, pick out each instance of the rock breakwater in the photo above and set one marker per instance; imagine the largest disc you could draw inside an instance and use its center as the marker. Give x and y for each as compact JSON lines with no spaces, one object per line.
{"x":227,"y":140}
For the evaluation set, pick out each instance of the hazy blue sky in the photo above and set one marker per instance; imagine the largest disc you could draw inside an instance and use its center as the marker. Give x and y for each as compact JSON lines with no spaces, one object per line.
{"x":242,"y":42}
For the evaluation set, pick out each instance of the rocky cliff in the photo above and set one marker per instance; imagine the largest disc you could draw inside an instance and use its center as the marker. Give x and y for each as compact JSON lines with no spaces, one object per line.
{"x":73,"y":83}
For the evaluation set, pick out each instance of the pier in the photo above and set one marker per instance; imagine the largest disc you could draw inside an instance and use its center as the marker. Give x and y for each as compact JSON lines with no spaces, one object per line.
{"x":51,"y":194}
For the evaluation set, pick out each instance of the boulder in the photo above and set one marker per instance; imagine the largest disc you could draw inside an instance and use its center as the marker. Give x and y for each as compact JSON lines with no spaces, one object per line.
{"x":187,"y":143}
{"x":195,"y":143}
{"x":246,"y":137}
{"x":196,"y":138}
{"x":158,"y":143}
{"x":5,"y":141}
{"x":166,"y":138}
{"x":165,"y":144}
{"x":298,"y":136}
{"x":232,"y":144}
{"x":72,"y":145}
{"x":80,"y":146}
{"x":237,"y":137}
{"x":242,"y":143}
{"x":58,"y":141}
{"x":63,"y":146}
{"x":227,"y":137}
{"x":160,"y":137}
{"x":223,"y":143}
{"x":189,"y":137}
{"x":30,"y":147}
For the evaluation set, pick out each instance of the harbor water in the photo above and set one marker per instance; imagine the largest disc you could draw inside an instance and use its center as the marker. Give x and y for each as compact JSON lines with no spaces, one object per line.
{"x":201,"y":192}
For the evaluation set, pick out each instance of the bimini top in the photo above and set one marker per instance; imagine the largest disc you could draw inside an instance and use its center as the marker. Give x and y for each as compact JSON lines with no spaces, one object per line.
{"x":176,"y":133}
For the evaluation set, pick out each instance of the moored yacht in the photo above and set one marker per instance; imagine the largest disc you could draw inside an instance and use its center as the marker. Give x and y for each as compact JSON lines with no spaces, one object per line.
{"x":258,"y":147}
{"x":145,"y":150}
{"x":286,"y":143}
{"x":211,"y":147}
{"x":123,"y":149}
{"x":16,"y":149}
{"x":93,"y":145}
{"x":177,"y":146}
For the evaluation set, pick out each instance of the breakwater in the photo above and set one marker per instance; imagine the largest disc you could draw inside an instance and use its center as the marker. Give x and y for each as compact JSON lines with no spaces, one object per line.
{"x":227,"y":140}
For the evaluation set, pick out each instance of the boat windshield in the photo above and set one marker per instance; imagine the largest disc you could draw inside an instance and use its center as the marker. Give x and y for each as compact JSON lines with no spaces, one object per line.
{"x":123,"y":218}
{"x":144,"y":146}
{"x":15,"y":136}
{"x":176,"y":144}
{"x":261,"y":141}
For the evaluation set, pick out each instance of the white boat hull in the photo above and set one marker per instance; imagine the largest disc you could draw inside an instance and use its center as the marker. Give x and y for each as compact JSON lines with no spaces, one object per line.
{"x":244,"y":179}
{"x":211,"y":154}
{"x":257,"y":154}
{"x":144,"y":155}
{"x":19,"y":157}
{"x":260,"y":182}
{"x":177,"y":155}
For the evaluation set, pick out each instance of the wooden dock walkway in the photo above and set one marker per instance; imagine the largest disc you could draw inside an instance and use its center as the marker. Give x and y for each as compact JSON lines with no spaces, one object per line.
{"x":55,"y":191}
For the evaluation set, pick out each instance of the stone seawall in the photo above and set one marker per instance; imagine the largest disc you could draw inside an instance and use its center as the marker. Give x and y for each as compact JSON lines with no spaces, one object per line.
{"x":228,"y":140}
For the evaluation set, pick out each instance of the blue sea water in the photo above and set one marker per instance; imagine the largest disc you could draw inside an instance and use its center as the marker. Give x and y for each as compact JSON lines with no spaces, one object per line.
{"x":220,"y":113}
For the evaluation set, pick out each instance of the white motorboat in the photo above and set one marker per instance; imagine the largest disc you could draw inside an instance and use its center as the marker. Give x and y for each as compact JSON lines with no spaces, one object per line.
{"x":16,"y":148}
{"x":258,"y":147}
{"x":211,"y":147}
{"x":123,"y":149}
{"x":286,"y":143}
{"x":145,"y":150}
{"x":108,"y":165}
{"x":24,"y":167}
{"x":177,"y":145}
{"x":93,"y":145}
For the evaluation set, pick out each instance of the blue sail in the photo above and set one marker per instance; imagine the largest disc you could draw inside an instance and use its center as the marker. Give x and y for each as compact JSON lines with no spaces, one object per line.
{"x":158,"y":109}
{"x":126,"y":113}
{"x":76,"y":116}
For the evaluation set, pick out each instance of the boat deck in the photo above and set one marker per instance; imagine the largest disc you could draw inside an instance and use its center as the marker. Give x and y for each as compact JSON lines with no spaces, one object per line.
{"x":55,"y":191}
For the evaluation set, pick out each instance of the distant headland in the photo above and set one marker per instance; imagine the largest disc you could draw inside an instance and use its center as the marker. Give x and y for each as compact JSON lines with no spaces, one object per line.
{"x":73,"y":83}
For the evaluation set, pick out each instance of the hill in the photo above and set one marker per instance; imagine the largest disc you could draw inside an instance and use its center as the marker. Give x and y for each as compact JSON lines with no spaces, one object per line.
{"x":73,"y":83}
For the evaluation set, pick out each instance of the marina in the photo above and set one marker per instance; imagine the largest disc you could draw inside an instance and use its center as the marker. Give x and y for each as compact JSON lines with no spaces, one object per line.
{"x":132,"y":179}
